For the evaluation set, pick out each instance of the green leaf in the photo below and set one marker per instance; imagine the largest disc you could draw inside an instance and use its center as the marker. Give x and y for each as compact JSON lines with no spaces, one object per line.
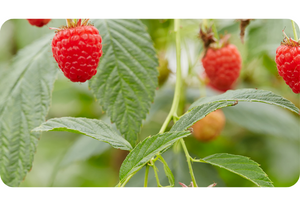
{"x":83,"y":149}
{"x":203,"y":106}
{"x":25,"y":96}
{"x":168,"y":171}
{"x":270,"y":64}
{"x":147,"y":149}
{"x":264,"y":119}
{"x":93,"y":128}
{"x":127,"y":76}
{"x":249,"y":95}
{"x":240,"y":165}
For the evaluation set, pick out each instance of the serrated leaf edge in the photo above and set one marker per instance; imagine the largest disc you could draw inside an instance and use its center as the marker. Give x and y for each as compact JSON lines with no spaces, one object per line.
{"x":253,"y":163}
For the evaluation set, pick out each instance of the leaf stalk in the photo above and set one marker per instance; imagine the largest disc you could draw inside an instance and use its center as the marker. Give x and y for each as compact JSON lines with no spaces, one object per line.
{"x":178,"y":84}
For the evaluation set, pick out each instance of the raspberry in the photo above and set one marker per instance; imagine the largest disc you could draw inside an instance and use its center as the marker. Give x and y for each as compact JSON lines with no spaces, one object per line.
{"x":77,"y":50}
{"x":222,"y":66}
{"x":209,"y":127}
{"x":288,"y":63}
{"x":38,"y":22}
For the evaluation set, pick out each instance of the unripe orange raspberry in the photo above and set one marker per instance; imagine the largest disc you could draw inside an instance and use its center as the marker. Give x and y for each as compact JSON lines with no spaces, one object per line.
{"x":209,"y":127}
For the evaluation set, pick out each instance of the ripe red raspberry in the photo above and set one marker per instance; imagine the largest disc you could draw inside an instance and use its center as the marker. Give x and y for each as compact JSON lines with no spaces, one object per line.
{"x":77,"y":51}
{"x":222,"y":66}
{"x":288,"y":63}
{"x":38,"y":22}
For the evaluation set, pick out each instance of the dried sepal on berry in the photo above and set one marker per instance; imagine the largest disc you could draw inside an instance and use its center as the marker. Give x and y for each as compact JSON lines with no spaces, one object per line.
{"x":289,"y":41}
{"x":209,"y":40}
{"x":243,"y":24}
{"x":72,"y":24}
{"x":207,"y":36}
{"x":222,"y":42}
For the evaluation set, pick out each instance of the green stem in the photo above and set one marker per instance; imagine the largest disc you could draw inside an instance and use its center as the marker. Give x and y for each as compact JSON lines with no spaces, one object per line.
{"x":188,"y":158}
{"x":178,"y":78}
{"x":175,"y":104}
{"x":146,"y":175}
{"x":294,"y":30}
{"x":191,"y":72}
{"x":170,"y":175}
{"x":126,"y":181}
{"x":197,"y":160}
{"x":191,"y":66}
{"x":119,"y":184}
{"x":155,"y":172}
{"x":162,"y":160}
{"x":176,"y":99}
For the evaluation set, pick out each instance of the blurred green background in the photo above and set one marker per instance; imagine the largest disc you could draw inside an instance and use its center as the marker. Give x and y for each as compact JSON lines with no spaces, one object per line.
{"x":267,"y":134}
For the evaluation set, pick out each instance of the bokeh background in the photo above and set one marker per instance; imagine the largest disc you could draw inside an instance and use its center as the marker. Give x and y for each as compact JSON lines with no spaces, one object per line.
{"x":267,"y":134}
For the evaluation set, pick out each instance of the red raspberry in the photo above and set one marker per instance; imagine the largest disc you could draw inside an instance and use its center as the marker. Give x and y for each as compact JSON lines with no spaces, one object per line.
{"x":222,"y":66}
{"x":38,"y":22}
{"x":77,"y":51}
{"x":288,"y":64}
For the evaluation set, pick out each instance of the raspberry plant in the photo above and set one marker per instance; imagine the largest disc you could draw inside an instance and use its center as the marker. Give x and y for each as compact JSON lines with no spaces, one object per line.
{"x":124,"y":86}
